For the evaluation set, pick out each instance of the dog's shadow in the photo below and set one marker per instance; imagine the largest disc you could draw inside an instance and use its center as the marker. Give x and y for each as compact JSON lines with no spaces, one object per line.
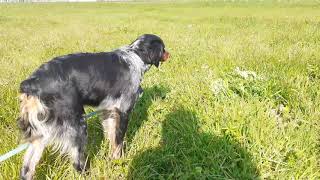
{"x":187,"y":153}
{"x":140,"y":112}
{"x":96,"y":135}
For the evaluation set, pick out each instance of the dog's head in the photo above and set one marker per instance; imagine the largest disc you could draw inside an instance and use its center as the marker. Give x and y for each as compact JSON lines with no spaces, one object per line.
{"x":151,"y":49}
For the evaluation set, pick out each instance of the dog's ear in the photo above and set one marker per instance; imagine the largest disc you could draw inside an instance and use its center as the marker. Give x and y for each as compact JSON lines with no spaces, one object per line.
{"x":156,"y":51}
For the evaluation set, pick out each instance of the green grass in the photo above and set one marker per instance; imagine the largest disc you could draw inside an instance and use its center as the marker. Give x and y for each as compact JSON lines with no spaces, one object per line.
{"x":198,"y":118}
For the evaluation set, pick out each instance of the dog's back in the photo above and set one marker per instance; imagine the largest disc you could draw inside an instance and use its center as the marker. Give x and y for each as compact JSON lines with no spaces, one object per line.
{"x":83,"y":70}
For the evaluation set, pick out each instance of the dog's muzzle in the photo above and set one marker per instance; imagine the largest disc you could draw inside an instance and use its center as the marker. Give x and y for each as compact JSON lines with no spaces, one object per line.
{"x":165,"y":56}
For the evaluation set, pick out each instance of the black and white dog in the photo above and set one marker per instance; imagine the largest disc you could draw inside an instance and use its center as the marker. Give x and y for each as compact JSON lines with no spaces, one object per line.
{"x":52,"y":98}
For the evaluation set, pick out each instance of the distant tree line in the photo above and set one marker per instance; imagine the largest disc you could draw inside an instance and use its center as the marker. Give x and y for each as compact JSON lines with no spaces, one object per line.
{"x":27,"y":1}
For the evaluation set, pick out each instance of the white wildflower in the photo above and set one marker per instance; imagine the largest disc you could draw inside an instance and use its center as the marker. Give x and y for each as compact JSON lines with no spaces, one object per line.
{"x":218,"y":86}
{"x":245,"y":74}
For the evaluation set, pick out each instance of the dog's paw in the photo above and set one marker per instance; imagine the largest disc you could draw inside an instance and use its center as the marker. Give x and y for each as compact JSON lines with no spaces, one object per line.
{"x":140,"y":91}
{"x":115,"y":156}
{"x":117,"y":152}
{"x":81,"y":167}
{"x":26,"y":174}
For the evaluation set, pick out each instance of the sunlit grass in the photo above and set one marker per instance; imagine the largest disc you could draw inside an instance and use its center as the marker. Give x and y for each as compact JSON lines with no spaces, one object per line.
{"x":198,"y":117}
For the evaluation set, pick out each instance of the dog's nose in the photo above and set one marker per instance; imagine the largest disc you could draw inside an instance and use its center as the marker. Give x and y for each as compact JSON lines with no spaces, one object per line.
{"x":165,"y":56}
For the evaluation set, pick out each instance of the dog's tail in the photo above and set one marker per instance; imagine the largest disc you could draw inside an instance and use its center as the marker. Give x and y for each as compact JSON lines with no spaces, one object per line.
{"x":30,"y":86}
{"x":32,"y":115}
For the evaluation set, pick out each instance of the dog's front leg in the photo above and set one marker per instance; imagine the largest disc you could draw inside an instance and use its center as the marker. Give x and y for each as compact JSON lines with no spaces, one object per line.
{"x":31,"y":158}
{"x":115,"y":126}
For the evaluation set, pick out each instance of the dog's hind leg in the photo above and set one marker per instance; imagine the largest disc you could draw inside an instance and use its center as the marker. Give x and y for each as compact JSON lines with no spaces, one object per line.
{"x":77,"y":150}
{"x":71,"y":141}
{"x":112,"y":127}
{"x":71,"y":138}
{"x":69,"y":131}
{"x":32,"y":157}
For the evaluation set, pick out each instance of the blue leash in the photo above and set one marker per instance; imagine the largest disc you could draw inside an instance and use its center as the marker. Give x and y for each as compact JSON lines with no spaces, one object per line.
{"x":14,"y":152}
{"x":22,"y":147}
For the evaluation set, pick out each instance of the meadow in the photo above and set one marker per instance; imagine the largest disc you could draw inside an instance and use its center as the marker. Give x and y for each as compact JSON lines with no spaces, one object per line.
{"x":239,"y":98}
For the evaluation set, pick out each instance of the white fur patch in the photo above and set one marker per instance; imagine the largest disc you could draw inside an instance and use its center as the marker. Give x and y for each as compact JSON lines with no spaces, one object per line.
{"x":132,"y":58}
{"x":110,"y":103}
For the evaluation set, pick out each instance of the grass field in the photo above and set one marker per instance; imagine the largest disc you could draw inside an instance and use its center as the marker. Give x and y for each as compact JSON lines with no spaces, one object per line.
{"x":239,"y":98}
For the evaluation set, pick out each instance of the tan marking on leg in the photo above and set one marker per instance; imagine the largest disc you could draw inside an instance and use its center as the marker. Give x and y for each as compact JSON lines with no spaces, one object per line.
{"x":111,"y":126}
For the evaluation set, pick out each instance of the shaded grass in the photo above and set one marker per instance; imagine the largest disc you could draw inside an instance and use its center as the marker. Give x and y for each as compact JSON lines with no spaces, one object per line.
{"x":201,"y":155}
{"x":180,"y":128}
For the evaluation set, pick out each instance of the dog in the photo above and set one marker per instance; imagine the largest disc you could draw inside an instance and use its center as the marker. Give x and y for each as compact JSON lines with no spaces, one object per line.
{"x":52,"y":99}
